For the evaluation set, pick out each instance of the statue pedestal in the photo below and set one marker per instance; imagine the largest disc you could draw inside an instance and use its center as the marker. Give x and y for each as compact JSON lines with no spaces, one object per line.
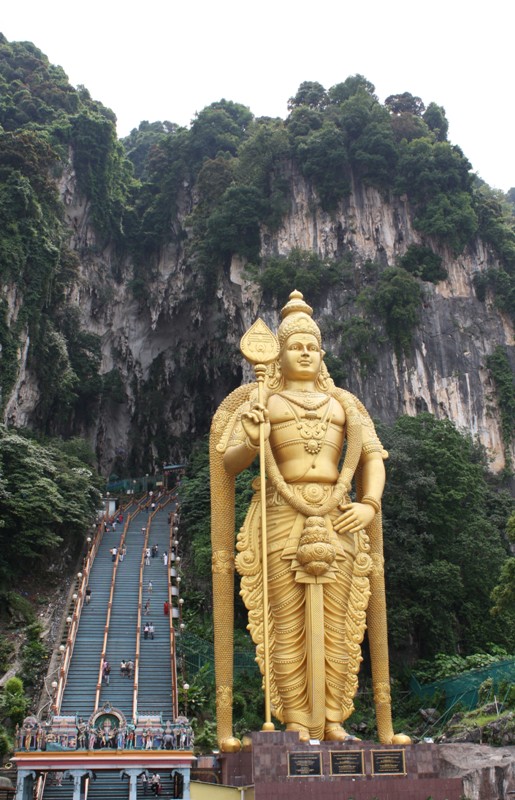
{"x":282,"y":768}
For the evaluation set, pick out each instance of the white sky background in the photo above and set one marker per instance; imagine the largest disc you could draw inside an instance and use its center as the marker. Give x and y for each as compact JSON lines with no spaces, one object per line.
{"x":161,"y":59}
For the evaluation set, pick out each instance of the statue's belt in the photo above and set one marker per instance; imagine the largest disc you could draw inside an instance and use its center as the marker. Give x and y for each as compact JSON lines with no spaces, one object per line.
{"x":313,"y":493}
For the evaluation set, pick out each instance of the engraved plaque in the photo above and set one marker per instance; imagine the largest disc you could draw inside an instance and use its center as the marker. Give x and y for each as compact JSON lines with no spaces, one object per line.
{"x":388,"y":762}
{"x":347,"y":762}
{"x":303,"y":765}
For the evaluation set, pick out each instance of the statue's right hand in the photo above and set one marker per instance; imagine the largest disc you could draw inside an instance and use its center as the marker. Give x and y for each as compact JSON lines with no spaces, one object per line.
{"x":251,"y":422}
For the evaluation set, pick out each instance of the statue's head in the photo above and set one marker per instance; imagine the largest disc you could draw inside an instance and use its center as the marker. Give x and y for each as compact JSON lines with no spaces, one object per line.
{"x":297,"y":321}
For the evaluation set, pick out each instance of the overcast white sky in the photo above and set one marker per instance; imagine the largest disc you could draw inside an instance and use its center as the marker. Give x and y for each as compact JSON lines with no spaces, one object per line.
{"x":159,"y":59}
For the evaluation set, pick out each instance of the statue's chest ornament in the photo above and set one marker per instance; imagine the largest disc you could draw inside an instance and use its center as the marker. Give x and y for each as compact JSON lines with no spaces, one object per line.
{"x":312,"y":426}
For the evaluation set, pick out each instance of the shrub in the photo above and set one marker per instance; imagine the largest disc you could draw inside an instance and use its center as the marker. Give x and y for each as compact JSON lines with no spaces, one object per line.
{"x":422,"y":262}
{"x":300,"y":269}
{"x":13,"y":703}
{"x":396,"y":298}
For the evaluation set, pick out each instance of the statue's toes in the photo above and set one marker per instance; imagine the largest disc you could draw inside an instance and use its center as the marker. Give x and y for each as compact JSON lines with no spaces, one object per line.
{"x":335,"y":733}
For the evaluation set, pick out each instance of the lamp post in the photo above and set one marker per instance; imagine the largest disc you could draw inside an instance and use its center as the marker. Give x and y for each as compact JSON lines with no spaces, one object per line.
{"x":54,"y":686}
{"x":185,"y":686}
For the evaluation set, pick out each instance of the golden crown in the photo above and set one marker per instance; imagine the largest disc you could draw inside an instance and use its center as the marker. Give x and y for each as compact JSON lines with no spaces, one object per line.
{"x":296,"y":318}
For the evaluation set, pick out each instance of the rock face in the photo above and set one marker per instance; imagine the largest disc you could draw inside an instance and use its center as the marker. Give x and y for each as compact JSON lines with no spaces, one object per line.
{"x":176,"y":351}
{"x":488,"y":773}
{"x":446,"y":372}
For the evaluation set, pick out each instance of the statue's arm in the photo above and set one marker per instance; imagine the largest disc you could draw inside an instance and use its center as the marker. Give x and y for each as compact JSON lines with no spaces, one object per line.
{"x":243,"y":444}
{"x":357,"y":516}
{"x":373,"y":476}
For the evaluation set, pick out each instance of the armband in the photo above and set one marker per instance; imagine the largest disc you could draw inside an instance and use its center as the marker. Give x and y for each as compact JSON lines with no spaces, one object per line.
{"x":368,"y":500}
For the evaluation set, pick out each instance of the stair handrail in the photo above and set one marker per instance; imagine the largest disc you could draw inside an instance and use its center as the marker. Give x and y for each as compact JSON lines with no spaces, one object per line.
{"x":173,"y":649}
{"x":83,"y":577}
{"x":138,"y":626}
{"x":109,"y":607}
{"x":138,"y":618}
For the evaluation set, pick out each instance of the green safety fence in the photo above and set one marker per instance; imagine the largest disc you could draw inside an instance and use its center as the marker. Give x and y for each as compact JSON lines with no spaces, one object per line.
{"x":195,"y":653}
{"x":464,"y":688}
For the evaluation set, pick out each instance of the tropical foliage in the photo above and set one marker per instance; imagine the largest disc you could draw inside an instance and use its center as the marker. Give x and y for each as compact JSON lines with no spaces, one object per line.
{"x":48,"y":497}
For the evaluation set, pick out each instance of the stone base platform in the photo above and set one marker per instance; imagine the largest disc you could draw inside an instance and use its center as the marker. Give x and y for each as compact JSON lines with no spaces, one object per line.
{"x":282,"y":768}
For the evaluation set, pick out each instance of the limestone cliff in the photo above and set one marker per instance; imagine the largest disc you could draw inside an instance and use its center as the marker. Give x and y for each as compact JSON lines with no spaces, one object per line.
{"x":176,"y":351}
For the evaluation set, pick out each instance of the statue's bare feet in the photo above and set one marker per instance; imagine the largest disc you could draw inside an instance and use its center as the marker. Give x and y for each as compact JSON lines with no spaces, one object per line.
{"x":301,"y":730}
{"x":335,"y":733}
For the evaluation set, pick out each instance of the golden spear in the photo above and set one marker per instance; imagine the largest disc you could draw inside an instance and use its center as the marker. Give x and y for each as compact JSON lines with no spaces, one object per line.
{"x":260,"y":347}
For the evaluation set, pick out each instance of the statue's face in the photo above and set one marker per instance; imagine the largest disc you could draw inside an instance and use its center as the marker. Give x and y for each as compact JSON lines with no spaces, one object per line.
{"x":301,"y":357}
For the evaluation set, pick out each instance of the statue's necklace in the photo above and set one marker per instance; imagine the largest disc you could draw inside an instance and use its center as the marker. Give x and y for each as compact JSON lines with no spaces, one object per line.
{"x":305,"y":400}
{"x":312,"y":427}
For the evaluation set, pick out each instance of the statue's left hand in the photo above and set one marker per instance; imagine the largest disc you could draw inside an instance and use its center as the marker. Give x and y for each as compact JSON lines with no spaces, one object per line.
{"x":355,"y":517}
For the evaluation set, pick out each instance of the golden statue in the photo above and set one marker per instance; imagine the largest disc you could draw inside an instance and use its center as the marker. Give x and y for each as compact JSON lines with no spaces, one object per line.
{"x":321,"y":555}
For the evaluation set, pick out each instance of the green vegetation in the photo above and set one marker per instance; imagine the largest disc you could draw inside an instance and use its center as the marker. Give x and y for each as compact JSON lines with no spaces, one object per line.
{"x":496,"y":219}
{"x":396,"y":299}
{"x":423,"y":263}
{"x":333,"y":137}
{"x":305,"y":270}
{"x":13,"y":703}
{"x":503,"y":595}
{"x":34,"y":655}
{"x":41,"y":118}
{"x":445,"y":665}
{"x":103,"y":172}
{"x":504,"y":380}
{"x":358,"y":339}
{"x":444,"y":519}
{"x":48,"y":496}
